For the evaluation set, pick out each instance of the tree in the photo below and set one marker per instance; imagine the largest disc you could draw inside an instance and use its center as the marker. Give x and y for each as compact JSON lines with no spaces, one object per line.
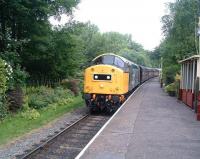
{"x":26,"y":33}
{"x":180,"y":40}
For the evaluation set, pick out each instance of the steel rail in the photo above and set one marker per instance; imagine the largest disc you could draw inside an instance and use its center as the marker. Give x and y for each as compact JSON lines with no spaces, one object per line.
{"x":34,"y":151}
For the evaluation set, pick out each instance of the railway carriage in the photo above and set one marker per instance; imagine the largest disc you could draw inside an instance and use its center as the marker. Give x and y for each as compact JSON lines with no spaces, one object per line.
{"x":109,"y":80}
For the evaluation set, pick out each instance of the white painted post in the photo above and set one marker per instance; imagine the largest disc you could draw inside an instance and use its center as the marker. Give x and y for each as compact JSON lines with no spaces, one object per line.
{"x":198,"y":70}
{"x":187,"y":76}
{"x":191,"y":74}
{"x":181,"y":81}
{"x":193,"y":80}
{"x":184,"y":76}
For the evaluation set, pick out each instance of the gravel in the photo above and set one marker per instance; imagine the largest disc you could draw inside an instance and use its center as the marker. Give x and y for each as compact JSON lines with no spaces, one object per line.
{"x":35,"y":137}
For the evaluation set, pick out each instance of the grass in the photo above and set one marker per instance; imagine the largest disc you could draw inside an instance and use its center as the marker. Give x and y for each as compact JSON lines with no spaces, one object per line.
{"x":14,"y":126}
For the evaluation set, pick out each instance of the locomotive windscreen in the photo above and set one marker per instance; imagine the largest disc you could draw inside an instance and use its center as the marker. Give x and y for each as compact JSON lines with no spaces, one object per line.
{"x":109,"y":60}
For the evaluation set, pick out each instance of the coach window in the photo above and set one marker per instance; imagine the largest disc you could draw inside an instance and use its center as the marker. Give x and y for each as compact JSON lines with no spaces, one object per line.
{"x":118,"y":62}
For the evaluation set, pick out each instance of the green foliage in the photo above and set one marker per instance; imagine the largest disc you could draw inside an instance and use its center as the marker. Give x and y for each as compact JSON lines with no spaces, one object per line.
{"x":41,"y":97}
{"x":3,"y":107}
{"x":3,"y":88}
{"x":18,"y":78}
{"x":141,"y":58}
{"x":30,"y":114}
{"x":14,"y":99}
{"x":3,"y":79}
{"x":179,"y":28}
{"x":94,"y":43}
{"x":169,"y":72}
{"x":27,"y":41}
{"x":170,"y":88}
{"x":36,"y":51}
{"x":14,"y":126}
{"x":155,"y":57}
{"x":90,"y":39}
{"x":73,"y":85}
{"x":14,"y":94}
{"x":27,"y":38}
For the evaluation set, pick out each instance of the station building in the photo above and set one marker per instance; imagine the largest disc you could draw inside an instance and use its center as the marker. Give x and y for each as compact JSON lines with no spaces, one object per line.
{"x":189,"y":91}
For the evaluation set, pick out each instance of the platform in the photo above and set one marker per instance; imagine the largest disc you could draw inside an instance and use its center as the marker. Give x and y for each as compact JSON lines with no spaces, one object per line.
{"x":150,"y":125}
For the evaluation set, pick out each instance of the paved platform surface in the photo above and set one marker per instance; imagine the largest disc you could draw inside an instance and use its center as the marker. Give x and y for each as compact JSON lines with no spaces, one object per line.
{"x":151,"y":125}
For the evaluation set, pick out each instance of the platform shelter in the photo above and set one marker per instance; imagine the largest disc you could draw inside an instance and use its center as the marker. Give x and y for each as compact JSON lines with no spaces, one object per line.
{"x":189,"y":85}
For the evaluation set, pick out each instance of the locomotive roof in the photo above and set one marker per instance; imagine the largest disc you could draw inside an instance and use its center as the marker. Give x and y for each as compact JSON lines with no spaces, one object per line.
{"x":125,"y":60}
{"x":122,"y":58}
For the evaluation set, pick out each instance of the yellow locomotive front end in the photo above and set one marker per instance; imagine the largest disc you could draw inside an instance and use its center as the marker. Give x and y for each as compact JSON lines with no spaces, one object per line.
{"x":105,"y":83}
{"x":105,"y":79}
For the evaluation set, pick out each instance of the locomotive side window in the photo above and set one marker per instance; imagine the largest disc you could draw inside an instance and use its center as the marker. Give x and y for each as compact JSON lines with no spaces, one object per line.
{"x":98,"y":61}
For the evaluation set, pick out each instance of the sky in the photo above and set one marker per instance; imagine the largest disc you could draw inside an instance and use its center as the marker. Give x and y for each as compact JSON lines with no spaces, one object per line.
{"x":140,"y":18}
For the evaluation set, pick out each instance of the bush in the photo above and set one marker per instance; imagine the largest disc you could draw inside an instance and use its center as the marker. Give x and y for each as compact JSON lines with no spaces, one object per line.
{"x":18,"y":78}
{"x":73,"y":85}
{"x":3,"y":87}
{"x":3,"y":108}
{"x":15,"y":99}
{"x":40,"y":97}
{"x":62,"y":93}
{"x":31,"y":114}
{"x":3,"y":79}
{"x":170,"y":88}
{"x":169,"y":73}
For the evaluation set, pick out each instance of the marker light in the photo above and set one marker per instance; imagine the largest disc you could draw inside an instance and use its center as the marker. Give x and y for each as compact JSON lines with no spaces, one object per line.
{"x":96,"y":77}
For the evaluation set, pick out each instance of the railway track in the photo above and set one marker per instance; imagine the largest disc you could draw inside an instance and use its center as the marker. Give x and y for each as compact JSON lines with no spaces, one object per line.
{"x":70,"y":141}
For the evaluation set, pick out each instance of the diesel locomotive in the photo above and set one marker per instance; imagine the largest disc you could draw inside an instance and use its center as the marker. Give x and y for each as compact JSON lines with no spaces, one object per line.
{"x":110,"y":79}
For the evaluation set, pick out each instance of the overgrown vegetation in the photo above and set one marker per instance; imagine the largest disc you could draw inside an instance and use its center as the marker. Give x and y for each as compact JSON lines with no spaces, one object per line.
{"x":41,"y":97}
{"x":3,"y":81}
{"x":170,"y":88}
{"x":14,"y":126}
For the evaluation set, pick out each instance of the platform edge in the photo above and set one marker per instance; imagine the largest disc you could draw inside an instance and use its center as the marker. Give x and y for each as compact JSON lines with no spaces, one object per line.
{"x":98,"y":133}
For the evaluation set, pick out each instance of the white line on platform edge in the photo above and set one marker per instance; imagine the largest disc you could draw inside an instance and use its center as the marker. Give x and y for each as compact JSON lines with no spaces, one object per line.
{"x":92,"y":140}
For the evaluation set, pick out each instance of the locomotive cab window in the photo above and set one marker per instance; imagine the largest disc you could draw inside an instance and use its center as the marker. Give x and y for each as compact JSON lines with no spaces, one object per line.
{"x":118,"y":62}
{"x":110,"y":60}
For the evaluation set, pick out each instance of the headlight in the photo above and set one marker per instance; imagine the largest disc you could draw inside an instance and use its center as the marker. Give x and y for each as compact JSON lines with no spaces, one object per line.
{"x":95,"y":77}
{"x":102,"y":77}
